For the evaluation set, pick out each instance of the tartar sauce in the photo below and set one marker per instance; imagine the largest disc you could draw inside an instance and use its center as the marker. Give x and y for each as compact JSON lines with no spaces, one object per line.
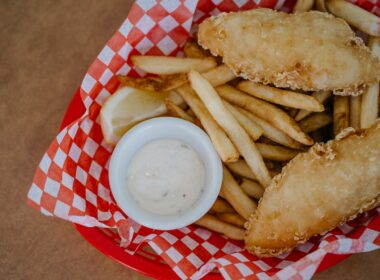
{"x":166,"y":176}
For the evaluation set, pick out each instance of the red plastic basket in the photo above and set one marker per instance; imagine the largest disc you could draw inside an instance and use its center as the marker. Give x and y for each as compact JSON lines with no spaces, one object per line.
{"x":144,"y":261}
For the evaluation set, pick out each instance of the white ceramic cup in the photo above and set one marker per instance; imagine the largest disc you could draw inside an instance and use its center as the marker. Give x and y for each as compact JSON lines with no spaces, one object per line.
{"x":148,"y":131}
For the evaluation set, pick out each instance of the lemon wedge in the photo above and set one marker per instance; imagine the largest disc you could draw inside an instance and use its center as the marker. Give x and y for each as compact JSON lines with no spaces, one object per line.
{"x":129,"y":106}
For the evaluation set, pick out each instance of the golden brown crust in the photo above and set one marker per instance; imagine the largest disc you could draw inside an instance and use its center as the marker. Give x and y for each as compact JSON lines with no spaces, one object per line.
{"x":308,"y":51}
{"x":317,"y":191}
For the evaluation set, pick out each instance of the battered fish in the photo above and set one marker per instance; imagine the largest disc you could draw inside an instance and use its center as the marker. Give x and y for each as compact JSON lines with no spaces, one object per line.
{"x":307,"y":51}
{"x":317,"y":191}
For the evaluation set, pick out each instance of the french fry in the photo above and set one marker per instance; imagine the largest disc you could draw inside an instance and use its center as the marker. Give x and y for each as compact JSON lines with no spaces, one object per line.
{"x":355,"y":111}
{"x":167,"y":65}
{"x":232,"y":218}
{"x":230,"y":125}
{"x":369,"y":105}
{"x":315,"y":121}
{"x":219,"y":75}
{"x":356,"y":16}
{"x":242,"y":169}
{"x":320,"y":5}
{"x":221,"y":142}
{"x":235,"y":195}
{"x":276,"y":153}
{"x":253,"y":130}
{"x":192,"y":49}
{"x":303,"y":5}
{"x":161,"y":83}
{"x":212,"y":223}
{"x":252,"y":188}
{"x":282,"y":97}
{"x":369,"y":109}
{"x":341,"y":114}
{"x":322,"y":96}
{"x":271,"y":132}
{"x":177,"y":111}
{"x":221,"y":206}
{"x":269,"y":112}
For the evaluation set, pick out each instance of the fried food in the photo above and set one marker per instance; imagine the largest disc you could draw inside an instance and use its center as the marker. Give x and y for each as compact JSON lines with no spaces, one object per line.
{"x":303,"y":5}
{"x":315,"y":121}
{"x":356,"y":16}
{"x":176,"y":111}
{"x":341,"y":114}
{"x":253,"y":129}
{"x":355,"y":111}
{"x":213,"y":223}
{"x":220,"y":140}
{"x":308,"y":51}
{"x":252,"y":188}
{"x":233,"y":129}
{"x":265,"y":110}
{"x":168,"y":65}
{"x":222,"y":206}
{"x":232,"y":218}
{"x":238,"y":199}
{"x":322,"y":96}
{"x":282,"y":97}
{"x":317,"y":191}
{"x":369,"y":104}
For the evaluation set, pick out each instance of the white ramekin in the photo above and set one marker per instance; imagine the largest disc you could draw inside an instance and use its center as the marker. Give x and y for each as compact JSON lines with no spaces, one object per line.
{"x":150,"y":130}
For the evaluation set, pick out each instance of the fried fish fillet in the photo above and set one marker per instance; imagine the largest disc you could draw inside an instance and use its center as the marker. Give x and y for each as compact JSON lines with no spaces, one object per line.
{"x":307,"y":51}
{"x":317,"y":191}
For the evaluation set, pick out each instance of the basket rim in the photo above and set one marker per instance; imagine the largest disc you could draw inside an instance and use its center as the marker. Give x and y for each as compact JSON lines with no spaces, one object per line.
{"x":135,"y":262}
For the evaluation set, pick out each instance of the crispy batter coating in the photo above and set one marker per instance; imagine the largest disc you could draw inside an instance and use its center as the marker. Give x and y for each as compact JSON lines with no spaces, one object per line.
{"x":317,"y":191}
{"x":308,"y":51}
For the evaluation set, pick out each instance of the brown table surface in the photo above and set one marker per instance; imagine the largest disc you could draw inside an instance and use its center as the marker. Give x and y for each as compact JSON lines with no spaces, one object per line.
{"x":45,"y":49}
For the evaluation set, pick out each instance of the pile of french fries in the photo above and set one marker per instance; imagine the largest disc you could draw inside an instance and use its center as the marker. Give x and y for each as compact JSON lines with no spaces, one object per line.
{"x":256,"y":129}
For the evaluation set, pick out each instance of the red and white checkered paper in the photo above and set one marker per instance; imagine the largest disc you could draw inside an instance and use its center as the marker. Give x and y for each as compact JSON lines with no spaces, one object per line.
{"x":71,"y":181}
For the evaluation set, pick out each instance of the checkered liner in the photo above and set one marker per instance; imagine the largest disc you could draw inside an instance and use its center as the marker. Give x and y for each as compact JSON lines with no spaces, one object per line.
{"x":71,"y":181}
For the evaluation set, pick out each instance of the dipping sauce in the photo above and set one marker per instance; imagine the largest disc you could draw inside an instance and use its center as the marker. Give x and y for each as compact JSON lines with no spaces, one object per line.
{"x":166,"y":176}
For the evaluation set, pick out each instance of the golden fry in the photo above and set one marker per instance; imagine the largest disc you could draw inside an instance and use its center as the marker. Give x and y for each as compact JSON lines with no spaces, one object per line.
{"x":315,"y":121}
{"x":221,"y":142}
{"x":212,"y":223}
{"x":271,"y":132}
{"x":355,"y":111}
{"x":252,"y":188}
{"x":369,"y":105}
{"x":322,"y":96}
{"x":253,"y":130}
{"x":303,"y":5}
{"x":232,"y":218}
{"x":219,"y":75}
{"x":177,"y":111}
{"x":266,"y":111}
{"x":341,"y":114}
{"x":222,"y":206}
{"x":276,"y":153}
{"x":282,"y":97}
{"x":356,"y":16}
{"x":226,"y":120}
{"x":320,"y":5}
{"x":192,"y":49}
{"x":241,"y":168}
{"x":160,"y":83}
{"x":167,"y":65}
{"x":235,"y":195}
